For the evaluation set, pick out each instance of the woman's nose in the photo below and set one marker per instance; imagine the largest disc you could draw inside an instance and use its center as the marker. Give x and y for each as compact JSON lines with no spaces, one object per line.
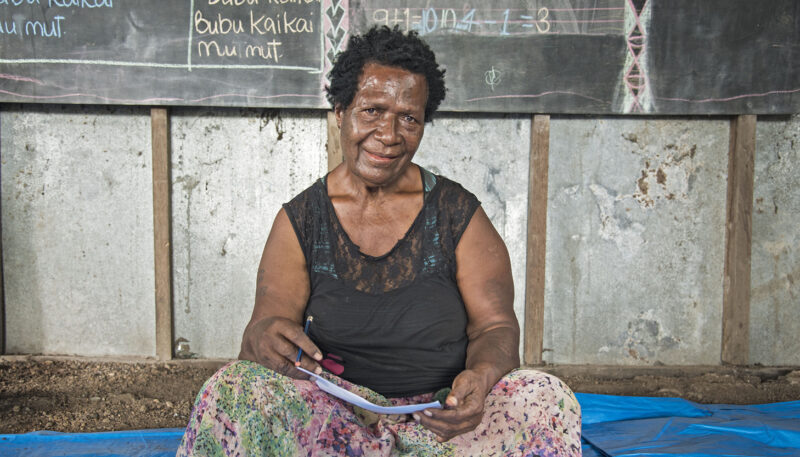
{"x":387,"y":130}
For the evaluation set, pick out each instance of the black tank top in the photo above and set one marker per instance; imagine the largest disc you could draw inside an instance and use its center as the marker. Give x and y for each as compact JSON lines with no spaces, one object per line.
{"x":397,"y":321}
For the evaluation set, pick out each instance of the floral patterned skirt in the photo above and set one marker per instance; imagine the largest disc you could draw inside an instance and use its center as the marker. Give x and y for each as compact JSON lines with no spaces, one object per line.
{"x":248,"y":410}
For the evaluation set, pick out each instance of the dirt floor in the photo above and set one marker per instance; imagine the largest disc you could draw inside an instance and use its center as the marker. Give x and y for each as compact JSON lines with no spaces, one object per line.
{"x":81,"y":395}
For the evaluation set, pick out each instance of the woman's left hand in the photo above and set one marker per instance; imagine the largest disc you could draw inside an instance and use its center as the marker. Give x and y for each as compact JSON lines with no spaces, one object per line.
{"x":463,"y":408}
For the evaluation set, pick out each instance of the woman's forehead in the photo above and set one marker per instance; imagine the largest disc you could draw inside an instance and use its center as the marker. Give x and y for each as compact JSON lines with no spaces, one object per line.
{"x":390,"y":81}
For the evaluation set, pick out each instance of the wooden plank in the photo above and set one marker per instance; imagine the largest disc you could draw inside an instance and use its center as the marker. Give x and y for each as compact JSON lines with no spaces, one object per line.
{"x":738,"y":238}
{"x":2,"y":299}
{"x":2,"y":287}
{"x":536,"y":242}
{"x":334,"y":145}
{"x":159,"y":119}
{"x":2,"y":293}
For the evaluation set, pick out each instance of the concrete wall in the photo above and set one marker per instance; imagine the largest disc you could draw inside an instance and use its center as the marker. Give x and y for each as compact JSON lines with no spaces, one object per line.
{"x":77,"y":230}
{"x":635,"y":226}
{"x":775,"y":274}
{"x":231,"y":171}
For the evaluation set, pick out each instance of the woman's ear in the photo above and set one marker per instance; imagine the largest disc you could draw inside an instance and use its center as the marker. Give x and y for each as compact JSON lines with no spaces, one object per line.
{"x":338,"y":111}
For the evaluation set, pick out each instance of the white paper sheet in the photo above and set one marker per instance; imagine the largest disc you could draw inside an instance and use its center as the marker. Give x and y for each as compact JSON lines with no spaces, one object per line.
{"x":361,"y":402}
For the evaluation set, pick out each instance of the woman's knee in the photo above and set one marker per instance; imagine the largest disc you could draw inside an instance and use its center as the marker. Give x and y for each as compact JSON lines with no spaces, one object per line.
{"x":538,"y":385}
{"x":242,"y":377}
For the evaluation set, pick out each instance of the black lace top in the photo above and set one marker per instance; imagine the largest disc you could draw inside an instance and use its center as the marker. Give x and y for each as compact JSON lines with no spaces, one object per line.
{"x":397,"y":322}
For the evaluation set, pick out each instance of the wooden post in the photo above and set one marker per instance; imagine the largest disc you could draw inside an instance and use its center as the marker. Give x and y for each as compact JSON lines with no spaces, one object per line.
{"x":2,"y":296}
{"x":2,"y":287}
{"x":738,"y":239}
{"x":334,"y":143}
{"x":159,"y":119}
{"x":536,"y":242}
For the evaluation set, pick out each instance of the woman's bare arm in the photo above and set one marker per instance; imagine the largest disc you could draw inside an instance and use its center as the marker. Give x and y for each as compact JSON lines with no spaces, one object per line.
{"x":275,"y":332}
{"x":486,"y":285}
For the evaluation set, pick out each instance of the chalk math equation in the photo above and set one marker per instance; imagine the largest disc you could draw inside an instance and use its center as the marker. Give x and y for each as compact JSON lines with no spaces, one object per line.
{"x":504,"y":18}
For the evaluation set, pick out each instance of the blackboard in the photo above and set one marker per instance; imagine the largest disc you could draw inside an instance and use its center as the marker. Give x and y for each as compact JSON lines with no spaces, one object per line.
{"x":545,"y":56}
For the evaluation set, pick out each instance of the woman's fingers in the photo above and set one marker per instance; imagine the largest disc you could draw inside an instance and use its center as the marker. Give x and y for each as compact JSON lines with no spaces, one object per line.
{"x":296,"y":340}
{"x":278,"y":347}
{"x":448,"y":426}
{"x":309,"y":364}
{"x":448,"y":423}
{"x":463,"y":409}
{"x":301,"y":340}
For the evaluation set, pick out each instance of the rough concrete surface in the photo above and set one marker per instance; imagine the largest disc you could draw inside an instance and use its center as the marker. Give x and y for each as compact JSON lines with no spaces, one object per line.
{"x":635,"y":240}
{"x":231,"y":171}
{"x":77,"y":230}
{"x":635,"y":226}
{"x":775,"y":270}
{"x":492,"y":163}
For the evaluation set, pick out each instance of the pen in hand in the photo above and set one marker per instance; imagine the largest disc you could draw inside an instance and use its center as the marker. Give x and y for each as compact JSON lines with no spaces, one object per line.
{"x":300,"y":350}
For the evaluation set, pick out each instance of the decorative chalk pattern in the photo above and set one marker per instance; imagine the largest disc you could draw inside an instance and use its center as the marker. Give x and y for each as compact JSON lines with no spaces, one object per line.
{"x":335,"y":25}
{"x":637,"y":96}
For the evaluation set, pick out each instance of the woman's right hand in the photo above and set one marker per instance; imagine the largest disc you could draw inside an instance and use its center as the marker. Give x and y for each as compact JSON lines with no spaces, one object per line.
{"x":274,"y":341}
{"x":274,"y":333}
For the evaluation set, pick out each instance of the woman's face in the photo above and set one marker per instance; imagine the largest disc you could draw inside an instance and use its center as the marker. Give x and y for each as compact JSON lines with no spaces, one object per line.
{"x":383,"y":126}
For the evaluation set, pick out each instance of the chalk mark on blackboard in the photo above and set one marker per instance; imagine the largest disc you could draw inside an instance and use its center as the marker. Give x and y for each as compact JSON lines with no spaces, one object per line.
{"x":569,"y":10}
{"x":182,"y":66}
{"x":99,"y":97}
{"x":542,"y":94}
{"x":729,"y":99}
{"x":260,"y":97}
{"x":636,"y":80}
{"x":154,"y":99}
{"x":21,"y":78}
{"x":589,"y":21}
{"x":335,"y":28}
{"x":492,"y":77}
{"x":191,"y":32}
{"x":486,"y":21}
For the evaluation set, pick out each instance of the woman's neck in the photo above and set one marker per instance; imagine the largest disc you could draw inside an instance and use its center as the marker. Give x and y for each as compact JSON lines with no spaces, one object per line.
{"x":342,"y":183}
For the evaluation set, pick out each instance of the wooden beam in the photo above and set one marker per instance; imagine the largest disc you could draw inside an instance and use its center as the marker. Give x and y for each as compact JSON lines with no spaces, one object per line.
{"x":536,"y":242}
{"x":738,"y":238}
{"x":2,"y":287}
{"x":159,"y":118}
{"x":334,"y":144}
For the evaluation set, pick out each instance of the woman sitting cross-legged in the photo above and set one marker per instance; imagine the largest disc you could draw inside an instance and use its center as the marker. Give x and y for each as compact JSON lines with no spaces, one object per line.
{"x":410,"y":290}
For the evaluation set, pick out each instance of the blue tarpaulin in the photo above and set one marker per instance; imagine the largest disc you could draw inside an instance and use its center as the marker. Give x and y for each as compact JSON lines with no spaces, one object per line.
{"x":631,"y":426}
{"x":612,"y":426}
{"x":134,"y":443}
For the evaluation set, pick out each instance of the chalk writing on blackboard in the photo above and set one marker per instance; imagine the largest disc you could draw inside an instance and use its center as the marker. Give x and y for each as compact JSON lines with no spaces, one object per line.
{"x":555,"y":56}
{"x":222,"y":34}
{"x":451,"y":17}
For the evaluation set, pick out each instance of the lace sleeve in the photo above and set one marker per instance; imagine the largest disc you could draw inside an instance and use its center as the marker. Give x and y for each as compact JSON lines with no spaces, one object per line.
{"x":457,"y":206}
{"x":300,"y":213}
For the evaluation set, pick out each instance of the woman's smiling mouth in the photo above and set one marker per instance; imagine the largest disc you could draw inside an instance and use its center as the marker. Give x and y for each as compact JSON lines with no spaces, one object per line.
{"x":378,"y":157}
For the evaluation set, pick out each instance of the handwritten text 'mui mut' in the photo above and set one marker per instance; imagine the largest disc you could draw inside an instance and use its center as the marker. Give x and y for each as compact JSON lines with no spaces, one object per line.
{"x":267,"y":51}
{"x":259,"y":25}
{"x":47,"y":29}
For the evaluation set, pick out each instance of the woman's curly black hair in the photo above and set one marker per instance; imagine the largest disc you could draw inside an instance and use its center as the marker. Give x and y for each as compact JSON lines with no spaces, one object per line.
{"x":389,"y":47}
